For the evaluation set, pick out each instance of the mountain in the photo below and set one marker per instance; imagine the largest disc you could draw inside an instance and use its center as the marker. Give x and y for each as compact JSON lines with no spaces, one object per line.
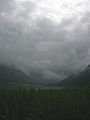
{"x":76,"y":80}
{"x":10,"y":74}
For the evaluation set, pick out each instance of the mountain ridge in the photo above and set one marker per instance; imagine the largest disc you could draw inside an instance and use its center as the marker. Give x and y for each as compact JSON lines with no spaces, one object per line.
{"x":10,"y":74}
{"x":76,"y":80}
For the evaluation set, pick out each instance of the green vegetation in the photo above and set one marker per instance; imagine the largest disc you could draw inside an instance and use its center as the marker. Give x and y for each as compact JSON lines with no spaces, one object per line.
{"x":65,"y":104}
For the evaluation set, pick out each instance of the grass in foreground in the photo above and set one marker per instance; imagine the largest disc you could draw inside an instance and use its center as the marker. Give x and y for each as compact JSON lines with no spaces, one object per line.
{"x":66,"y":104}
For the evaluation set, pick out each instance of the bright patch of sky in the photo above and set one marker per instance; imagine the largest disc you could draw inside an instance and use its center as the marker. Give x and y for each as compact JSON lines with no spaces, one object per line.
{"x":57,"y":10}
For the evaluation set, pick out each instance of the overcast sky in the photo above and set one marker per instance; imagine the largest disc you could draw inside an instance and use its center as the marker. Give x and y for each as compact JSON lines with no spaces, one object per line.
{"x":46,"y":35}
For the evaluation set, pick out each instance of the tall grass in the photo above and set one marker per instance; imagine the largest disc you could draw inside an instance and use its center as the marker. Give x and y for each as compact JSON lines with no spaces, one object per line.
{"x":66,"y":104}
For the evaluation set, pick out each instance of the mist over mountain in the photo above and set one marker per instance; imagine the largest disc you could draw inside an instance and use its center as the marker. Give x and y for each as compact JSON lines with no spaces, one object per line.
{"x":46,"y":39}
{"x":76,"y":80}
{"x":9,"y":74}
{"x":49,"y":36}
{"x":47,"y":76}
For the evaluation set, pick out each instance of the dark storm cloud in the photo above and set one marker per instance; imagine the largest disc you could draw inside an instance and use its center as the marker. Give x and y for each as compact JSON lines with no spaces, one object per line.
{"x":39,"y":43}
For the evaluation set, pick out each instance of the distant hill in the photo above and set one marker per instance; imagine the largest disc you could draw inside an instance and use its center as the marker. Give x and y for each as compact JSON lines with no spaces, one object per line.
{"x":76,"y":80}
{"x":10,"y":74}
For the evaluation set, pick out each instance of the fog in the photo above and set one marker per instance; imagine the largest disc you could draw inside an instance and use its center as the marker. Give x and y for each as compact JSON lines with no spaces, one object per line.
{"x":49,"y":36}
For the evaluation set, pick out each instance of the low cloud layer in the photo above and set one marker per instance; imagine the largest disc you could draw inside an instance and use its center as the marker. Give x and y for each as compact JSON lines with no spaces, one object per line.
{"x":45,"y":35}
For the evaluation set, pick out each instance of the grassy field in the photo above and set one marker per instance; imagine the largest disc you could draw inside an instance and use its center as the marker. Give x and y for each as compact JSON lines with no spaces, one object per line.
{"x":65,"y":104}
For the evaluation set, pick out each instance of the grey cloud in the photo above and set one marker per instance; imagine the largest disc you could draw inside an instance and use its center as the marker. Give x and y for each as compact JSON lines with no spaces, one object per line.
{"x":7,"y":5}
{"x":27,"y":9}
{"x":7,"y":9}
{"x":44,"y":45}
{"x":50,"y":75}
